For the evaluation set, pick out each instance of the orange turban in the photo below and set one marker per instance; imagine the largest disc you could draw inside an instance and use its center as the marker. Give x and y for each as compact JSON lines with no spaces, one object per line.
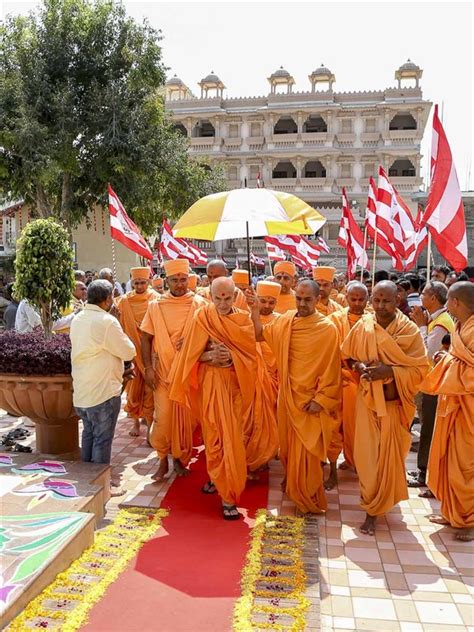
{"x":285,"y":266}
{"x":323,"y":273}
{"x":192,"y":282}
{"x":241,"y":276}
{"x":176,"y":266}
{"x":157,"y":283}
{"x":268,"y":288}
{"x":140,"y":273}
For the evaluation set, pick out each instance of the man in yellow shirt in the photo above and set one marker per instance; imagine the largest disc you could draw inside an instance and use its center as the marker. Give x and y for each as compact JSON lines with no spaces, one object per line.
{"x":99,"y":349}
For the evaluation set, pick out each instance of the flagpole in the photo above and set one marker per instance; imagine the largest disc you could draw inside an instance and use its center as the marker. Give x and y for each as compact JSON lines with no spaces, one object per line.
{"x":374,"y":256}
{"x":114,"y":261}
{"x":428,"y":257}
{"x":269,"y":260}
{"x":363,"y":248}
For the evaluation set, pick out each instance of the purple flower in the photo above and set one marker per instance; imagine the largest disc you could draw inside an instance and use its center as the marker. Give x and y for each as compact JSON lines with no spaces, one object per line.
{"x":33,"y":354}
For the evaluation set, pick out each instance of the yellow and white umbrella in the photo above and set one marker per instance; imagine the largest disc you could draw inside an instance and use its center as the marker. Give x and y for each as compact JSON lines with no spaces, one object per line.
{"x":248,"y":213}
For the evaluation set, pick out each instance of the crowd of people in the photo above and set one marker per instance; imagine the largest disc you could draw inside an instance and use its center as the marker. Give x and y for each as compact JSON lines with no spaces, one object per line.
{"x":300,"y":368}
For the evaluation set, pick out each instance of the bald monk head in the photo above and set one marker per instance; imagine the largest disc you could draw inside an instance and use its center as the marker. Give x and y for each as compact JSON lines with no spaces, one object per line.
{"x":461,"y":300}
{"x":385,"y":302}
{"x":204,"y":282}
{"x":307,"y":295}
{"x":357,"y":296}
{"x":222,"y":295}
{"x":215,"y":269}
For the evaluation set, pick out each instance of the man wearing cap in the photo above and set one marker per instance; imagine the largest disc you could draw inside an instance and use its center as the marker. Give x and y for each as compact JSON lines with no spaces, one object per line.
{"x":241,"y":278}
{"x":132,"y":308}
{"x":343,"y":438}
{"x":193,"y":282}
{"x":216,"y":269}
{"x":324,"y":277}
{"x":164,"y":327}
{"x":267,"y":295}
{"x":157,"y":284}
{"x":285,"y":274}
{"x":307,"y":353}
{"x":221,"y":344}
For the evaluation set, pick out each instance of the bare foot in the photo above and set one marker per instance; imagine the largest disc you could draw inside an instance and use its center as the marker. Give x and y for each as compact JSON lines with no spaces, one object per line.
{"x":369,"y":525}
{"x":437,"y":519}
{"x":252,"y":476}
{"x":331,"y":481}
{"x":179,"y":468}
{"x":466,"y":534}
{"x":135,"y":431}
{"x":162,"y":471}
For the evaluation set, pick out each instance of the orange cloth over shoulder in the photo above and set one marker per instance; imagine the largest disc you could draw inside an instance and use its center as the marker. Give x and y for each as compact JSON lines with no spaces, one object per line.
{"x":225,"y":396}
{"x":286,"y":302}
{"x":338,"y":298}
{"x":309,"y":368}
{"x":169,"y":321}
{"x":132,"y":308}
{"x":330,"y":308}
{"x":451,"y":462}
{"x":343,"y":438}
{"x":269,"y":356}
{"x":382,"y":437}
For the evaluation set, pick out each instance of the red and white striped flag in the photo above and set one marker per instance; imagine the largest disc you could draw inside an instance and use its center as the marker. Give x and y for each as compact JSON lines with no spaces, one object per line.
{"x":256,"y":261}
{"x":309,"y":252}
{"x":323,"y":245}
{"x":387,"y":224}
{"x":301,"y":262}
{"x":288,"y":243}
{"x":124,"y":230}
{"x":421,"y":241}
{"x":275,"y":253}
{"x":352,"y":239}
{"x":176,"y":248}
{"x":200,"y":256}
{"x":444,"y":212}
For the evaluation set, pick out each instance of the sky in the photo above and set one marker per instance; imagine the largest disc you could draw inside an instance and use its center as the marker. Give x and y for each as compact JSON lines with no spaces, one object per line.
{"x":363,"y":43}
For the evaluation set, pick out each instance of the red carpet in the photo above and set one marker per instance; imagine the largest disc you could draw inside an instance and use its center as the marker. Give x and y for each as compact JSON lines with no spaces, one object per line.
{"x":187,"y":578}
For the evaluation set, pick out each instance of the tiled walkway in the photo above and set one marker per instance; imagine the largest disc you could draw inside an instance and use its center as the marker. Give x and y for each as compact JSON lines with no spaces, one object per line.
{"x":413,"y":576}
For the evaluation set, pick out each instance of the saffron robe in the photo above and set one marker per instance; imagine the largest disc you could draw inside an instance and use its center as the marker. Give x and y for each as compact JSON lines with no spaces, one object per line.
{"x":337,"y":297}
{"x":309,"y":368}
{"x":285,"y":302}
{"x":382,"y":437}
{"x":269,"y":357}
{"x":328,"y":309}
{"x":451,"y":461}
{"x":168,"y":320}
{"x":343,"y":438}
{"x":224,"y":396}
{"x":132,"y":308}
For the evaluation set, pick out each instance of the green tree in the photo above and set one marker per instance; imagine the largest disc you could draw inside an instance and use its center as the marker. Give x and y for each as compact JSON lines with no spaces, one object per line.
{"x":80,"y":106}
{"x":44,"y":269}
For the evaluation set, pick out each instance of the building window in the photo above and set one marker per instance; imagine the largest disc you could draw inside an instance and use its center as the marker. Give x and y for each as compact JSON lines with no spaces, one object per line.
{"x":285,"y":126}
{"x":402,"y":122}
{"x":346,"y":126}
{"x":333,"y":232}
{"x":402,"y":169}
{"x":314,"y":169}
{"x":233,"y":130}
{"x":255,"y":129}
{"x":180,"y":128}
{"x":315,"y":125}
{"x":232,"y":173}
{"x":370,"y":125}
{"x":346,"y":171}
{"x":369,"y":169}
{"x":284,"y":170}
{"x":203,"y":129}
{"x":204,"y":245}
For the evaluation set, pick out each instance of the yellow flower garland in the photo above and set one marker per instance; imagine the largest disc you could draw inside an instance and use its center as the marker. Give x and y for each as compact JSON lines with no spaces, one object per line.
{"x":105,"y":560}
{"x":276,"y":547}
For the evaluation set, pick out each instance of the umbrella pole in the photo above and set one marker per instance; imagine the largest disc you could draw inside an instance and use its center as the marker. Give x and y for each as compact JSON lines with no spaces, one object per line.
{"x":248,"y":252}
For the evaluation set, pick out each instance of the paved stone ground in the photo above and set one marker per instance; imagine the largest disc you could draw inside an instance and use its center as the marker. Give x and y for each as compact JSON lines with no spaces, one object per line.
{"x":413,"y":576}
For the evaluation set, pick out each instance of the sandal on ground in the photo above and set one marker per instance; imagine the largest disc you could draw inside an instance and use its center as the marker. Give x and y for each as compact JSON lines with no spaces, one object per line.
{"x":22,"y":448}
{"x":426,"y":494}
{"x":415,"y":482}
{"x":209,"y":488}
{"x":230,"y":512}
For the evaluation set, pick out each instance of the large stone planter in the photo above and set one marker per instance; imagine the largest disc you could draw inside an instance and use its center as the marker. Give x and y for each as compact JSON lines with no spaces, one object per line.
{"x":46,"y":400}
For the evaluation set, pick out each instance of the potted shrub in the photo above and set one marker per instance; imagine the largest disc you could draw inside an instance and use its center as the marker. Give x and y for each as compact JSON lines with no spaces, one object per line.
{"x":35,"y":368}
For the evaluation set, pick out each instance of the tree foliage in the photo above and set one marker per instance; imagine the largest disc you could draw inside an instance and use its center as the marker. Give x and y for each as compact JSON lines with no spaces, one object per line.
{"x":44,"y":269}
{"x":80,"y":106}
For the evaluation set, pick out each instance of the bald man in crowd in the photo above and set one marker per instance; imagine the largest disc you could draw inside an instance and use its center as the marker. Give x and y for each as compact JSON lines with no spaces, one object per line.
{"x":451,"y":461}
{"x":216,"y":269}
{"x":386,"y":350}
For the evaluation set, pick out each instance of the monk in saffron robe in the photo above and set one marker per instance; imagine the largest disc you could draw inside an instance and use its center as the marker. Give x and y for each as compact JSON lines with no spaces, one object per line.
{"x":451,"y":461}
{"x":306,"y":348}
{"x":267,"y":294}
{"x":164,"y":327}
{"x":387,"y":351}
{"x":215,"y":270}
{"x":132,"y":309}
{"x":193,"y":282}
{"x":343,"y":437}
{"x":217,"y":370}
{"x":157,"y":284}
{"x":324,"y":277}
{"x":285,"y":274}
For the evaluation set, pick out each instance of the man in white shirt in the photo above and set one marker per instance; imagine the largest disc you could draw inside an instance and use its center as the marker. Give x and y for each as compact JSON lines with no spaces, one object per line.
{"x":27,"y":319}
{"x":99,"y":349}
{"x":107,"y":274}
